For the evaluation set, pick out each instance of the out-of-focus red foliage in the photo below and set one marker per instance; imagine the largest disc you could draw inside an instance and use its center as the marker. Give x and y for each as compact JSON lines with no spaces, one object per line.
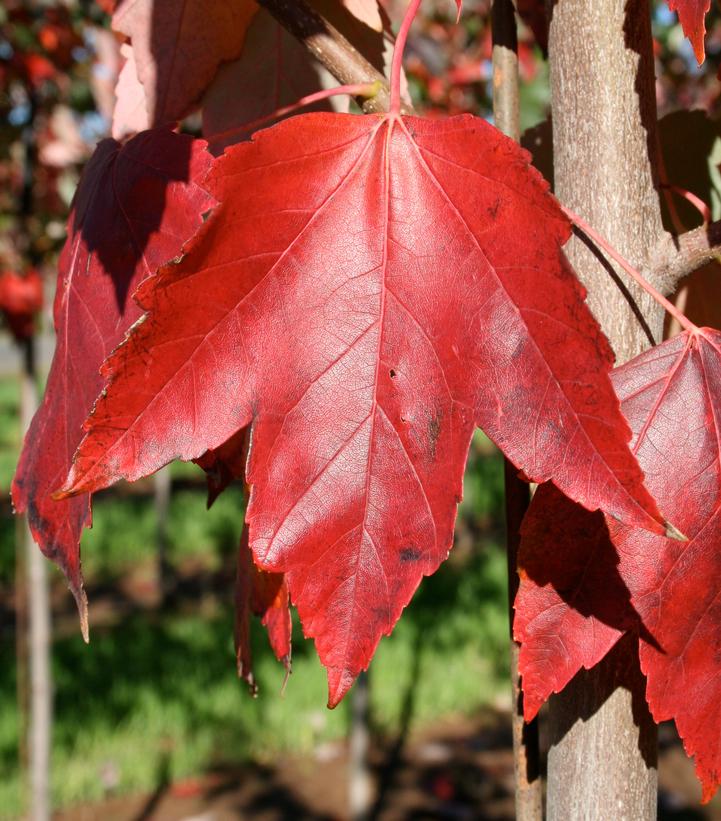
{"x":41,"y":45}
{"x":21,"y":298}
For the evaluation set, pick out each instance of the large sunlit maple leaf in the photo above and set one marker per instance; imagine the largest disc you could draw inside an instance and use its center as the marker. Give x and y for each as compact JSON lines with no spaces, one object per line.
{"x":368,"y":291}
{"x":178,"y":47}
{"x":692,"y":15}
{"x":668,"y":588}
{"x":134,"y":208}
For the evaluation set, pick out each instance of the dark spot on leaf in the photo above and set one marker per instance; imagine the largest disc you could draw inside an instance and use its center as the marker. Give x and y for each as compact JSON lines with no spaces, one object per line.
{"x":410,"y":554}
{"x":392,"y":373}
{"x":434,"y":431}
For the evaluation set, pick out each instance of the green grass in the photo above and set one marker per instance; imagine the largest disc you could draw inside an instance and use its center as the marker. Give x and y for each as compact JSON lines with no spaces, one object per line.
{"x":124,"y":531}
{"x":156,"y":697}
{"x":159,"y":694}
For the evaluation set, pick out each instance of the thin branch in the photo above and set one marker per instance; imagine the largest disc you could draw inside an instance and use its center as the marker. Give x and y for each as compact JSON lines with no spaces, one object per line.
{"x":331,"y":49}
{"x":676,"y":257}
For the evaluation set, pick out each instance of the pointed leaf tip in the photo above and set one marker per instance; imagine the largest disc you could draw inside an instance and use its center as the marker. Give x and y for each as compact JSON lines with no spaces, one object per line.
{"x":81,"y":600}
{"x":692,"y":16}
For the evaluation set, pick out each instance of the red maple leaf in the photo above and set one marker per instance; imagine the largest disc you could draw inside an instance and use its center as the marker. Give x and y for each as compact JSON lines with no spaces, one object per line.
{"x":572,"y":606}
{"x":367,"y":11}
{"x":692,"y":14}
{"x":135,"y":206}
{"x":369,"y":290}
{"x":273,"y":71}
{"x":567,"y":617}
{"x":130,"y":112}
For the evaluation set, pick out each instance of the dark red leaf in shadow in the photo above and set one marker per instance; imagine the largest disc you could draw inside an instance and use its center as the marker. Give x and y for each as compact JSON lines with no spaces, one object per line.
{"x":225,"y":464}
{"x":135,"y":206}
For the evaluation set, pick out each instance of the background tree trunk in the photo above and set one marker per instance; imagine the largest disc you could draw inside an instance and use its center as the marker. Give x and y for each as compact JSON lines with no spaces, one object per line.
{"x":526,"y":754}
{"x":38,"y":635}
{"x":33,"y":622}
{"x":602,"y":760}
{"x":162,"y":486}
{"x":360,"y":781}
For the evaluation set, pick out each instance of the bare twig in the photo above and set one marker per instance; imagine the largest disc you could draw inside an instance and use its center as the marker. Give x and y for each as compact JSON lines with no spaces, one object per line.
{"x":676,"y":257}
{"x":331,"y":49}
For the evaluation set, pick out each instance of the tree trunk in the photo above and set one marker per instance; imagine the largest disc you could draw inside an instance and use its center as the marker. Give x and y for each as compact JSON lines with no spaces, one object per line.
{"x":162,"y":485}
{"x":602,"y":760}
{"x":360,"y":786}
{"x":38,"y":635}
{"x":528,"y":788}
{"x":34,"y":618}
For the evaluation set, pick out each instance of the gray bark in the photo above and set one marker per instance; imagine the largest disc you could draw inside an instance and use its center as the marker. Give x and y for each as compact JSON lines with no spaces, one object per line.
{"x":360,"y":783}
{"x":602,"y":760}
{"x":38,"y":636}
{"x":162,"y":485}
